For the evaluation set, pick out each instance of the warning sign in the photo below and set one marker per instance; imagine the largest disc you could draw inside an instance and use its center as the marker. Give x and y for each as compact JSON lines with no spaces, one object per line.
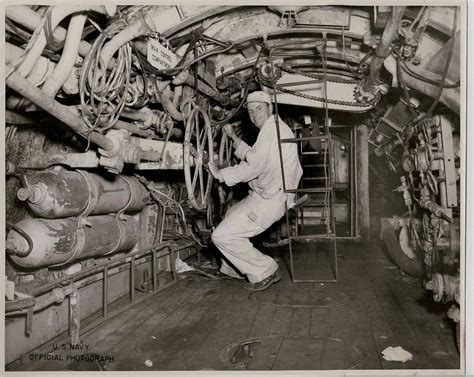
{"x":159,"y":56}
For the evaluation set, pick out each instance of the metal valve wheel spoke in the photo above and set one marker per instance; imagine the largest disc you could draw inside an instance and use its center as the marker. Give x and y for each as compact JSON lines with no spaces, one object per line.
{"x":226,"y":157}
{"x":198,"y":147}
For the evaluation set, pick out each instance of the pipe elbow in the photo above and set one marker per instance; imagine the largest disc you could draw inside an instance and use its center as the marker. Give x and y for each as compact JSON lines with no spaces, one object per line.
{"x":137,"y":29}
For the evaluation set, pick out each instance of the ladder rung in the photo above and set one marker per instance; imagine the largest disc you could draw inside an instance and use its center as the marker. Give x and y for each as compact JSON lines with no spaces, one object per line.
{"x":296,"y":139}
{"x":313,"y":237}
{"x":309,"y":204}
{"x":309,"y":190}
{"x":313,"y":166}
{"x":313,"y":153}
{"x":316,"y":178}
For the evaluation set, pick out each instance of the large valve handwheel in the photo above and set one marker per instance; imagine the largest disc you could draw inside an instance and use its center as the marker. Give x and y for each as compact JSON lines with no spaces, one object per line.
{"x":198,"y":151}
{"x":226,"y":155}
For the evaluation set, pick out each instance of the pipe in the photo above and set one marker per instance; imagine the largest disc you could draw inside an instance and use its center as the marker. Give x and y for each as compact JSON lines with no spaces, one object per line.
{"x":121,"y":125}
{"x":148,"y":116}
{"x":68,"y":57}
{"x":111,"y":264}
{"x":178,"y":92}
{"x":62,"y":193}
{"x":383,"y":48}
{"x":58,"y":14}
{"x":40,"y":71}
{"x":450,"y":97}
{"x":28,"y":18}
{"x":23,"y":87}
{"x":169,"y":107}
{"x":207,"y":90}
{"x":113,"y":267}
{"x":17,"y":118}
{"x":57,"y":295}
{"x":60,"y":241}
{"x":137,"y":29}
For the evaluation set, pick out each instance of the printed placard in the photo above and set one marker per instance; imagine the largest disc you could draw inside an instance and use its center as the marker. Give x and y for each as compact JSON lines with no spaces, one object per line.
{"x":159,"y":56}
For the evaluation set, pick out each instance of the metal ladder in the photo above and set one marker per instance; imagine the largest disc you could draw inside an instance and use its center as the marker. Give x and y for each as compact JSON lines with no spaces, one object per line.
{"x":327,"y":190}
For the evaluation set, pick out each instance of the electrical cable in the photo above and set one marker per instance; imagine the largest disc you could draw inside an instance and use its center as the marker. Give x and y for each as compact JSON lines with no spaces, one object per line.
{"x":25,"y":236}
{"x":31,"y":43}
{"x":103,"y":107}
{"x":237,"y":109}
{"x":345,"y":56}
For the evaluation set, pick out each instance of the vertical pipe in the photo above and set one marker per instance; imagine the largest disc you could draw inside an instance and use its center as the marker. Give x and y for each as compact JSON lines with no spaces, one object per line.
{"x":153,"y":268}
{"x":68,"y":56}
{"x":362,"y":182}
{"x":383,"y":48}
{"x":172,"y":262}
{"x":74,"y":317}
{"x":105,"y":294}
{"x":132,"y":279}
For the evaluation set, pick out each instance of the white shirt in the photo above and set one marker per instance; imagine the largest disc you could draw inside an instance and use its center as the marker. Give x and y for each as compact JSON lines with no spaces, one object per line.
{"x":260,"y":165}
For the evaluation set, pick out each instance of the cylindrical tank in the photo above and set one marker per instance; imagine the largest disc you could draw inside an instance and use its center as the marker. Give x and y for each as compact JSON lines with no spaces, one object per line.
{"x":60,"y":241}
{"x":62,"y":193}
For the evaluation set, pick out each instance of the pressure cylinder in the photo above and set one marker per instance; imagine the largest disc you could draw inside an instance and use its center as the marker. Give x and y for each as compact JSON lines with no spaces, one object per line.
{"x":62,"y":193}
{"x":61,"y":241}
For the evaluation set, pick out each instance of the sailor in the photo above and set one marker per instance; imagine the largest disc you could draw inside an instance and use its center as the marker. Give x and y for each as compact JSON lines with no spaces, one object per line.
{"x":260,"y":166}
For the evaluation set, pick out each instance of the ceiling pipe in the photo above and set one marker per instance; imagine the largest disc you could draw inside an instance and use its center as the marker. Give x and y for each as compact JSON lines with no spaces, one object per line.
{"x":383,"y":48}
{"x":58,"y":14}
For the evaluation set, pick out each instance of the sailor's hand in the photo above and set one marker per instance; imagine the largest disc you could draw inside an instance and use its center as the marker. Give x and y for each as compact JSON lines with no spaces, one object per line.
{"x":229,"y":130}
{"x":215,"y":171}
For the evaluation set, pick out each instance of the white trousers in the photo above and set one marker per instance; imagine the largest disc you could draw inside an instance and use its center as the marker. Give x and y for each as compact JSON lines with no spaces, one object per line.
{"x":249,"y":217}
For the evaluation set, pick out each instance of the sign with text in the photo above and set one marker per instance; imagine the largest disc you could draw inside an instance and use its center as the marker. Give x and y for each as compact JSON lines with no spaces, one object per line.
{"x":159,"y":56}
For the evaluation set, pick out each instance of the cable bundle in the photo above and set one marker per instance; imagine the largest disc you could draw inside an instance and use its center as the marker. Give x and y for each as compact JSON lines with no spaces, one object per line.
{"x":104,"y":93}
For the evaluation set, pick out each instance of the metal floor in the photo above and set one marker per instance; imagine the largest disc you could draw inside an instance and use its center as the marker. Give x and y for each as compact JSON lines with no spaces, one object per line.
{"x":202,"y":324}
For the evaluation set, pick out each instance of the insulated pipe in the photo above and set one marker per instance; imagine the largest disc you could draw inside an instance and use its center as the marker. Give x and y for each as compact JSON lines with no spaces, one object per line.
{"x":40,"y":71}
{"x":450,"y":97}
{"x":28,"y":18}
{"x":178,"y":92}
{"x":23,"y":87}
{"x":68,"y":57}
{"x":58,"y":14}
{"x":60,"y":241}
{"x":136,"y":29}
{"x":62,"y":193}
{"x":169,"y":107}
{"x":383,"y":48}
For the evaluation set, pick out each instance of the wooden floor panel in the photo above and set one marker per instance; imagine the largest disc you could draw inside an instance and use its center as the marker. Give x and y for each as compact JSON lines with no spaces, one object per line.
{"x":199,"y":323}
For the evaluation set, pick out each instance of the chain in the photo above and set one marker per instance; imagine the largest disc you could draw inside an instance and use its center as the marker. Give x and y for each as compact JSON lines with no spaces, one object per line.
{"x":321,"y":99}
{"x":288,"y":69}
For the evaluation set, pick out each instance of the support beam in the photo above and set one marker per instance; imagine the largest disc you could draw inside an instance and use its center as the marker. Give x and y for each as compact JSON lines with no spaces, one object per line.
{"x":362,"y":182}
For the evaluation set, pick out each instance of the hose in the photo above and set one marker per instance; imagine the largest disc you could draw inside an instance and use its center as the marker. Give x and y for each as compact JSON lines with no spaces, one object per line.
{"x":57,"y":14}
{"x":139,"y":28}
{"x":30,"y":19}
{"x":25,"y":236}
{"x":68,"y":57}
